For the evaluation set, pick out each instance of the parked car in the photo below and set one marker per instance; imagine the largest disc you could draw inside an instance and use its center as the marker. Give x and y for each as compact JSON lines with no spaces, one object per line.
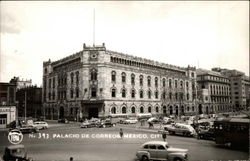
{"x":160,"y":150}
{"x":130,"y":121}
{"x":27,"y":129}
{"x":167,"y":120}
{"x":207,"y":134}
{"x":16,"y":152}
{"x":180,"y":129}
{"x":88,"y":124}
{"x":153,"y":120}
{"x":41,"y":125}
{"x":106,"y":123}
{"x":63,"y":120}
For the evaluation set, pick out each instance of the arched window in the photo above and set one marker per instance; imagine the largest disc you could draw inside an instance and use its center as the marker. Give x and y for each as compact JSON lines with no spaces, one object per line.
{"x":132,"y":79}
{"x":156,"y":109}
{"x":170,"y":95}
{"x":149,"y":94}
{"x":123,"y":77}
{"x":156,"y":94}
{"x":113,"y":110}
{"x":72,"y":77}
{"x":71,"y":93}
{"x":123,"y":93}
{"x":187,"y":85}
{"x":156,"y":81}
{"x":163,"y":82}
{"x":175,"y":83}
{"x":164,"y":95}
{"x":170,"y":83}
{"x":181,"y":84}
{"x":77,"y":92}
{"x":124,"y":110}
{"x":187,"y":96}
{"x":93,"y":74}
{"x":77,"y":77}
{"x":149,"y":109}
{"x":187,"y":108}
{"x":113,"y":76}
{"x":141,"y":80}
{"x":133,"y":109}
{"x":141,"y":109}
{"x":133,"y":93}
{"x":113,"y":92}
{"x":164,"y":109}
{"x":141,"y":93}
{"x":149,"y":81}
{"x":176,"y":96}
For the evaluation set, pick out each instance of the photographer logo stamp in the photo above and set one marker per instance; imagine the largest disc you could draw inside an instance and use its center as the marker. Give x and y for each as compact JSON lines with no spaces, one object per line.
{"x":15,"y":137}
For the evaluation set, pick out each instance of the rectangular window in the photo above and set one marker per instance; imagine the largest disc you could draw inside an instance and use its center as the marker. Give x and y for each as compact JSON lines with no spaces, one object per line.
{"x":93,"y":92}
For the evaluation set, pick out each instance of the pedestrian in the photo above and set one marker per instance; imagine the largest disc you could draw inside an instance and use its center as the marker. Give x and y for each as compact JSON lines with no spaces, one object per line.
{"x":71,"y":159}
{"x":121,"y":132}
{"x":164,"y":135}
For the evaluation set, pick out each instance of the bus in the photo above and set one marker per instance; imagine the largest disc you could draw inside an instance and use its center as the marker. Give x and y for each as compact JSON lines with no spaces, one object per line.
{"x":232,"y":131}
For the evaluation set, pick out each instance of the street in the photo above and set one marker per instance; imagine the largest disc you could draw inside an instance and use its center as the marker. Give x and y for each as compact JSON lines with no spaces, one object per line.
{"x":69,"y":140}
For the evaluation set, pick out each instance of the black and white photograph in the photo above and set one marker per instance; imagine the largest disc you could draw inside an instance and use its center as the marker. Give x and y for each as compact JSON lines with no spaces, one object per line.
{"x":124,"y":80}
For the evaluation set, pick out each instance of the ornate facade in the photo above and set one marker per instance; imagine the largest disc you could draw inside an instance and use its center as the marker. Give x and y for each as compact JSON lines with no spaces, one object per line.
{"x":96,"y":82}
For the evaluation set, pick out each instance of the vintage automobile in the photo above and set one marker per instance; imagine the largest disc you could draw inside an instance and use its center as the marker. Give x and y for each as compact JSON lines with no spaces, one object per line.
{"x":16,"y":153}
{"x":207,"y":134}
{"x":167,"y":120}
{"x":153,"y":120}
{"x":26,"y":129}
{"x":41,"y":125}
{"x":106,"y":123}
{"x":160,"y":150}
{"x":180,"y":129}
{"x":89,"y":123}
{"x":63,"y":120}
{"x":130,"y":121}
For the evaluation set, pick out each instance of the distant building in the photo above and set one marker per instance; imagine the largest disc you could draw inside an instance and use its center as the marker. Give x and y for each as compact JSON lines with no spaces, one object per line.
{"x":7,"y":103}
{"x":96,"y":82}
{"x":33,"y":97}
{"x":213,"y":92}
{"x":240,"y":87}
{"x":21,"y":83}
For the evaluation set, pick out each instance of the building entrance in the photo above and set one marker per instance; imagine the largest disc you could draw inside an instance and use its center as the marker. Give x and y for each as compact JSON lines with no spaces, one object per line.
{"x":93,"y":112}
{"x":200,"y":109}
{"x":61,"y":113}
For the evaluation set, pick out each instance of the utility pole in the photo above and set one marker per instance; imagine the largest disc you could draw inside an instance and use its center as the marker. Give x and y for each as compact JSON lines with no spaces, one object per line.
{"x":25,"y":105}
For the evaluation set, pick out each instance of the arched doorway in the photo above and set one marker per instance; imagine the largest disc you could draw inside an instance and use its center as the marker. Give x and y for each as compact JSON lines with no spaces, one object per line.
{"x":61,"y":112}
{"x":176,"y":110}
{"x":171,"y":110}
{"x":200,"y":109}
{"x":182,"y":110}
{"x":164,"y":109}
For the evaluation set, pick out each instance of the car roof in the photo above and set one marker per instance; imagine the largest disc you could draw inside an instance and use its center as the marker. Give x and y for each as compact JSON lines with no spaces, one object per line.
{"x":156,"y":142}
{"x":16,"y":146}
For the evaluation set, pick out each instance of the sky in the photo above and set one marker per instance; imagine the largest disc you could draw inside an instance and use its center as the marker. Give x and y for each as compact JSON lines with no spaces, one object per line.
{"x":197,"y":33}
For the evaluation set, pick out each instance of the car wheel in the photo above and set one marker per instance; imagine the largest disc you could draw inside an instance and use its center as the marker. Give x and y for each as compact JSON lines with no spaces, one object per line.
{"x":144,"y":158}
{"x":177,"y":159}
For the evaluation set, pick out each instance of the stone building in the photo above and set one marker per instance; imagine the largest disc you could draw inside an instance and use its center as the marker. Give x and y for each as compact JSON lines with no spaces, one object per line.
{"x":96,"y":82}
{"x":21,"y":83}
{"x":214,"y":94}
{"x":7,"y":103}
{"x":31,"y":97}
{"x":240,"y":85}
